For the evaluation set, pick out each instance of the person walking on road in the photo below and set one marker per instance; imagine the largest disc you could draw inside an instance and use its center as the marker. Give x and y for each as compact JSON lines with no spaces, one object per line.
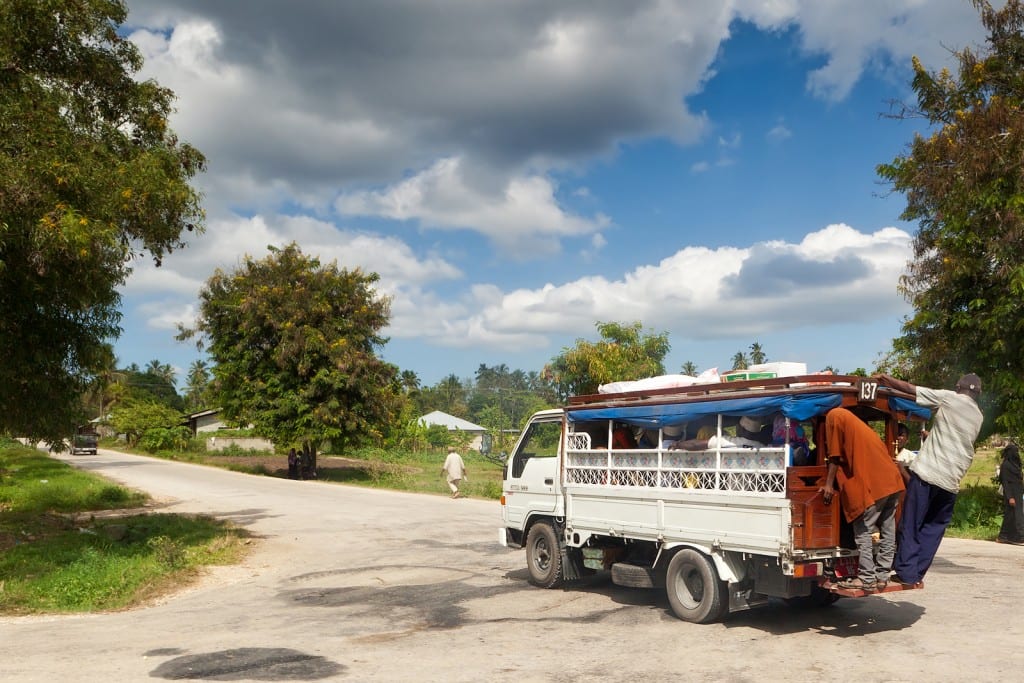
{"x":455,"y":470}
{"x":1012,"y":484}
{"x":869,"y":489}
{"x":936,"y":472}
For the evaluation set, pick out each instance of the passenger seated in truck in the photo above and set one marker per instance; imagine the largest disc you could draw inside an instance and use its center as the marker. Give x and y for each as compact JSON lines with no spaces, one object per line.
{"x":798,"y":444}
{"x":622,"y":437}
{"x":748,"y":427}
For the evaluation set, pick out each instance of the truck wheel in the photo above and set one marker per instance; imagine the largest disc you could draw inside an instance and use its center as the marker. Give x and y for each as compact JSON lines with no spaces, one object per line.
{"x":693,"y":587}
{"x":543,"y":557}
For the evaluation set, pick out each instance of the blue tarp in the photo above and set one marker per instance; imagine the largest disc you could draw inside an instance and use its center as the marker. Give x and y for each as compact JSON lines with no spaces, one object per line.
{"x":797,"y":407}
{"x":905,"y":405}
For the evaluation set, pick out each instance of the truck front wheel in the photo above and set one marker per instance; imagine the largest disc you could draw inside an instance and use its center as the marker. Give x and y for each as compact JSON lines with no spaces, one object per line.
{"x":543,"y":557}
{"x":693,"y":587}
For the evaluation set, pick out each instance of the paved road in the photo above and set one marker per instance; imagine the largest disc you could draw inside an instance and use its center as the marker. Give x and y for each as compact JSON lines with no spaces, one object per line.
{"x":351,"y":584}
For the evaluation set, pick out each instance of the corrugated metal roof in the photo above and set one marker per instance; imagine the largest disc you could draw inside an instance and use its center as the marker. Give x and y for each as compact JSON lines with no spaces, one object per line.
{"x":450,"y":421}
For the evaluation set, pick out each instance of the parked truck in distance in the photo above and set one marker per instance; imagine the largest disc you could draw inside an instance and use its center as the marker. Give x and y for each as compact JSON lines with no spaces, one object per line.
{"x":710,"y":490}
{"x":84,"y":440}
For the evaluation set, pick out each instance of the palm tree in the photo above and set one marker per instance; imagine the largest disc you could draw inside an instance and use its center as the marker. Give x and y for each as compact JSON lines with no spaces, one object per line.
{"x":756,"y":354}
{"x":689,"y":368}
{"x":410,"y":381}
{"x":196,"y":384}
{"x":161,"y":370}
{"x":739,"y":361}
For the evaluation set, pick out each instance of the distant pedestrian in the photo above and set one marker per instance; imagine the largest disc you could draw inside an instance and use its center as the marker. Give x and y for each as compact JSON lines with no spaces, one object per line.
{"x":455,"y":470}
{"x":293,"y":464}
{"x":1012,"y":484}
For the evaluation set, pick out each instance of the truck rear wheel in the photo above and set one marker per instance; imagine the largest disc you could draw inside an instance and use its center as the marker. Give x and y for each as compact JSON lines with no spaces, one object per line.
{"x":543,"y":557}
{"x":693,"y":587}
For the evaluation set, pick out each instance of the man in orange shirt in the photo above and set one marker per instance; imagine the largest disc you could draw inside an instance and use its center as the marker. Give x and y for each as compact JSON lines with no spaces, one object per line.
{"x":869,"y":490}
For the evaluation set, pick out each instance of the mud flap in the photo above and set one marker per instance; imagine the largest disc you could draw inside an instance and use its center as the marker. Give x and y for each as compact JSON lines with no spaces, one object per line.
{"x":572,"y":564}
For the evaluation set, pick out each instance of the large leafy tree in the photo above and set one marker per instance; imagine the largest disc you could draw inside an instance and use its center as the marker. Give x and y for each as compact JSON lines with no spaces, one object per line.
{"x":964,"y":185}
{"x":294,"y":346}
{"x":624,"y":352}
{"x":90,"y":176}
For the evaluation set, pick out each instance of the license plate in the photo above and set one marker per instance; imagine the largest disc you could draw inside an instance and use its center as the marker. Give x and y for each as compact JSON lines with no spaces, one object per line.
{"x":845,"y":566}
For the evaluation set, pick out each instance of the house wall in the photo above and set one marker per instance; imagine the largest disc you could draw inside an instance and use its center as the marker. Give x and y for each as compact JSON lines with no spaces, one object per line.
{"x":209,"y":423}
{"x":219,"y":443}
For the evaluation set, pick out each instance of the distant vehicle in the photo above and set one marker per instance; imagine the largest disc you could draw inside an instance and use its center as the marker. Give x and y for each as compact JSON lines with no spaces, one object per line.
{"x":85,"y":440}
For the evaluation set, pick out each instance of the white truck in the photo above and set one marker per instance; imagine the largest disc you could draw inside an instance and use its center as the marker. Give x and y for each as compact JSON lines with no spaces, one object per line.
{"x":677,"y":487}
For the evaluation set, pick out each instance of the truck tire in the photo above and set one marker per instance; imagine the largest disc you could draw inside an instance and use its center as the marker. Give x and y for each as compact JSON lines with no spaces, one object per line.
{"x":694,"y":590}
{"x":637,"y":576}
{"x":543,"y":557}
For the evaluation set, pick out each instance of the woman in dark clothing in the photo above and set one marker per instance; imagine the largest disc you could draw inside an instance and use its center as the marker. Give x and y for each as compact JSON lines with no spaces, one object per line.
{"x":1012,"y":482}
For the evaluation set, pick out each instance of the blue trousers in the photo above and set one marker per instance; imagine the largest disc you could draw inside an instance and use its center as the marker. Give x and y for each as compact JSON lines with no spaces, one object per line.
{"x":927,"y":511}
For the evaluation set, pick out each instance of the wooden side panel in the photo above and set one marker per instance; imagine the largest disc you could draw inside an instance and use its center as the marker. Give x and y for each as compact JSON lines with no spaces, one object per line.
{"x":815,"y":525}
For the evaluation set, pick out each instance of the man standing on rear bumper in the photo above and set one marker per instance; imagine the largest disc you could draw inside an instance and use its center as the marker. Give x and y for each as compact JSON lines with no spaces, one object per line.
{"x":936,"y":472}
{"x":869,"y":490}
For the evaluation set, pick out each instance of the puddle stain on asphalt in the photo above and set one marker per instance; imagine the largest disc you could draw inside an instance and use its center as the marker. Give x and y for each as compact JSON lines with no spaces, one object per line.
{"x":248,"y":663}
{"x":440,"y":604}
{"x":438,"y":601}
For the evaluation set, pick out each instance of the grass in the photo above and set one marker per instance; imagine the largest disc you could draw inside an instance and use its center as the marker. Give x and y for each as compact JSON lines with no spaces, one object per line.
{"x":979,"y":508}
{"x":415,"y":471}
{"x":418,"y":472}
{"x":62,"y":550}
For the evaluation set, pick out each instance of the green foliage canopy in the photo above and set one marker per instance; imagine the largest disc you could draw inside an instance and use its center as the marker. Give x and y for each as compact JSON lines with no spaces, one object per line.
{"x":90,"y":176}
{"x":293,"y":342}
{"x":135,"y":417}
{"x":625,"y":352}
{"x":964,"y":186}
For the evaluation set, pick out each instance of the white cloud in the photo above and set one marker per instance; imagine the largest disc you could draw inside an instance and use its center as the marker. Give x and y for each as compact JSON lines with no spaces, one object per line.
{"x":855,"y":34}
{"x":182,"y":274}
{"x":292,"y":107}
{"x":835,"y":275}
{"x":779,"y":132}
{"x":518,"y":217}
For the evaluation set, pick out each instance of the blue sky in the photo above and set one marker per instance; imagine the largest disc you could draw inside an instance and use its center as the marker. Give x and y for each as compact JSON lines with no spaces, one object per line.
{"x":516,"y":172}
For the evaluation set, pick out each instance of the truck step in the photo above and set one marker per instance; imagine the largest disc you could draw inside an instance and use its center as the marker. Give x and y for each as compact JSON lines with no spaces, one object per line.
{"x":891,"y":587}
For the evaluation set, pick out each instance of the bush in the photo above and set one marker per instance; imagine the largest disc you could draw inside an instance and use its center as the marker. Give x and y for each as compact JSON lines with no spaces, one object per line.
{"x":165,"y":439}
{"x":978,"y":512}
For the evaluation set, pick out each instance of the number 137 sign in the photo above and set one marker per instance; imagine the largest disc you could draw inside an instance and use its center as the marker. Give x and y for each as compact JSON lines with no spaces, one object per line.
{"x":866,"y":390}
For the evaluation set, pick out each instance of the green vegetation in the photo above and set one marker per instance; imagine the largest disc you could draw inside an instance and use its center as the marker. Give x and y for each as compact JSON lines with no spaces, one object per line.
{"x":419,"y":472}
{"x":624,"y":352}
{"x":295,"y":342}
{"x":979,"y":508}
{"x":963,"y":187}
{"x":61,"y":550}
{"x":91,"y":177}
{"x":397,"y":469}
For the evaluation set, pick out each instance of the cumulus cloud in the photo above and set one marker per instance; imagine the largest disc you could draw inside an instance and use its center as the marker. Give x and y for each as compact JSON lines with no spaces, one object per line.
{"x":518,"y":217}
{"x":836,"y":274}
{"x":404,"y":274}
{"x":336,"y":124}
{"x":852,"y":35}
{"x":295,"y":108}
